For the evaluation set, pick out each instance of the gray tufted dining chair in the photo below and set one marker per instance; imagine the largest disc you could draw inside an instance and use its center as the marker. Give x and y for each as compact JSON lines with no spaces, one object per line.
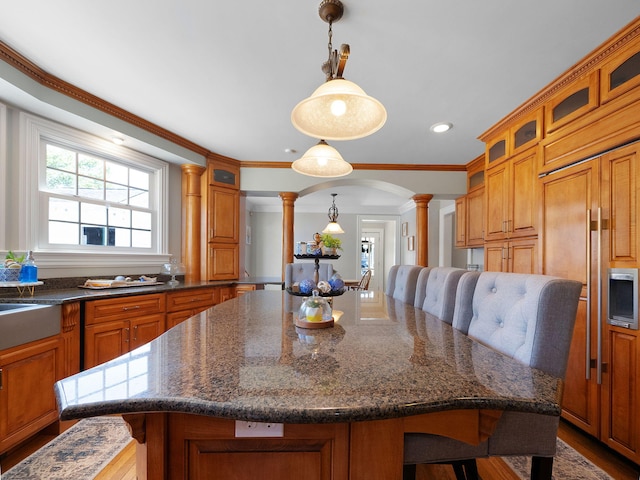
{"x":402,"y":282}
{"x":296,"y":272}
{"x":529,"y":318}
{"x":437,"y":295}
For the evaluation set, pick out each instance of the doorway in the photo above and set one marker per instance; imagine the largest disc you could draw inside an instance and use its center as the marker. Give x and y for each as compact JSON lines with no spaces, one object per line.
{"x":371,"y":255}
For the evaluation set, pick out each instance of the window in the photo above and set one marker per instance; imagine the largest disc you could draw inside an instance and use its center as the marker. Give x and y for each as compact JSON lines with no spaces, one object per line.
{"x":95,"y":201}
{"x":92,"y":196}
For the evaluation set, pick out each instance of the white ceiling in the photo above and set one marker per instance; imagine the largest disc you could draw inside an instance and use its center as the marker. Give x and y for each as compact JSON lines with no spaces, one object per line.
{"x":226,"y":75}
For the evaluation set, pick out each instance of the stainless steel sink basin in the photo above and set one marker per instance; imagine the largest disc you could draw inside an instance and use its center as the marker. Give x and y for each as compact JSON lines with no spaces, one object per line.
{"x":25,"y":322}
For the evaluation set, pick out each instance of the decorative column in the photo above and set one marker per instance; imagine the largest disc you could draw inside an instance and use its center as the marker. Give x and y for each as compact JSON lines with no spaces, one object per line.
{"x":422,"y":228}
{"x":288,"y":200}
{"x":191,"y":220}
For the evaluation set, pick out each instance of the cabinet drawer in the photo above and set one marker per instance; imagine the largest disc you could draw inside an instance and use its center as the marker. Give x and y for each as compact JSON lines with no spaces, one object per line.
{"x":97,"y":311}
{"x":191,"y":299}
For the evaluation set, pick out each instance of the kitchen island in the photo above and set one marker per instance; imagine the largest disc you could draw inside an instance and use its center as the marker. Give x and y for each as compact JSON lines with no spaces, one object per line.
{"x":328,"y":403}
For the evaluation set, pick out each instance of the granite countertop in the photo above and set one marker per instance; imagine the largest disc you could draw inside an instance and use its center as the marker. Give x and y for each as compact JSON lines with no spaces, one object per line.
{"x":244,"y":359}
{"x":58,"y":291}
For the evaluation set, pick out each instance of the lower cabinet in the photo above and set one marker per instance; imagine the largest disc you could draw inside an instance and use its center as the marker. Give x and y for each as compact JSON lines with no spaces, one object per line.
{"x":27,"y":400}
{"x":118,"y":325}
{"x":187,"y":303}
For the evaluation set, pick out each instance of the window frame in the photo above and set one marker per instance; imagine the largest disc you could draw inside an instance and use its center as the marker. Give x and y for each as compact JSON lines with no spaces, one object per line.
{"x":33,"y":206}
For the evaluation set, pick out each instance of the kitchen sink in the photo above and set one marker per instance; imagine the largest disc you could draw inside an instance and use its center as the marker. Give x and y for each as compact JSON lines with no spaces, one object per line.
{"x":22,"y":323}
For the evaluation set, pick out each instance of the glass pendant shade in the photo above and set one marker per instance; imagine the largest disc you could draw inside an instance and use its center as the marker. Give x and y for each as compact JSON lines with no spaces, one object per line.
{"x":322,"y":160}
{"x":339,"y":110}
{"x":333,"y":228}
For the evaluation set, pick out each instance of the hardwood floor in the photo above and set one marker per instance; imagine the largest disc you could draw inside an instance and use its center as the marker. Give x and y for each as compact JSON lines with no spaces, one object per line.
{"x":123,"y":467}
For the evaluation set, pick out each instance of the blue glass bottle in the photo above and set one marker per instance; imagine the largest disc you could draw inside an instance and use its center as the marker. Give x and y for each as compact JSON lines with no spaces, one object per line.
{"x":29,"y":271}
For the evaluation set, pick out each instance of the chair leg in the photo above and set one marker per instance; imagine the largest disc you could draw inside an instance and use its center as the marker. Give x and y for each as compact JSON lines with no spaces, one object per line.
{"x":541,"y":468}
{"x":409,"y":472}
{"x":458,"y":469}
{"x":471,"y":469}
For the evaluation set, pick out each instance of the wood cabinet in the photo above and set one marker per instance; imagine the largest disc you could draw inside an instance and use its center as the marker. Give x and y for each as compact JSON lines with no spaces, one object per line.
{"x":590,"y":221}
{"x":517,"y":256}
{"x":118,"y":325}
{"x":511,"y":198}
{"x":244,"y":288}
{"x":222,"y":203}
{"x":27,"y":401}
{"x":470,"y":208}
{"x":187,"y":303}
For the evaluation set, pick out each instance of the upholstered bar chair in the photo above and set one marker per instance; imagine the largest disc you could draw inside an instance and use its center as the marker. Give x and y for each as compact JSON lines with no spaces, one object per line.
{"x":404,"y":282}
{"x":296,"y":272}
{"x":438,"y":295}
{"x":529,"y":318}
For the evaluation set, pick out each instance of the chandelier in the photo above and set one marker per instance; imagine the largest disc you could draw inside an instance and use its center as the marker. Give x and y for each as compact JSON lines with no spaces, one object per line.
{"x":333,"y":227}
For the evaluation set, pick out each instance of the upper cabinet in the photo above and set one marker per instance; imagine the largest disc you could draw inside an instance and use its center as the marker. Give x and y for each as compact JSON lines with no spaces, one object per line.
{"x":620,"y":75}
{"x":575,"y":100}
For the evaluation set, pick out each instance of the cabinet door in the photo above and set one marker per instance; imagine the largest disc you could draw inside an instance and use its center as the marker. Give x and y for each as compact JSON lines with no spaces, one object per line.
{"x":523,"y":204}
{"x":461,"y":219}
{"x":27,"y":400}
{"x":620,"y":187}
{"x":222,"y":261}
{"x":495,"y":257}
{"x":145,"y":329}
{"x":523,"y":256}
{"x":497,"y":202}
{"x":475,"y":218}
{"x":223,"y":215}
{"x":567,"y":196}
{"x":621,"y":388}
{"x":105,"y":341}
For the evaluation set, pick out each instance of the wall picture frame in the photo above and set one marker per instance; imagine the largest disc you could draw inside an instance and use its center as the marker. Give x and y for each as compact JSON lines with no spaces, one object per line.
{"x":405,"y":229}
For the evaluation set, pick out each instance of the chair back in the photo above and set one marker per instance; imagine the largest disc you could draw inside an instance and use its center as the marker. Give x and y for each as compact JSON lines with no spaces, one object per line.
{"x":364,"y":281}
{"x":296,"y":272}
{"x":440,"y":292}
{"x":405,"y":282}
{"x":528,"y":317}
{"x":391,"y":280}
{"x":421,"y":286}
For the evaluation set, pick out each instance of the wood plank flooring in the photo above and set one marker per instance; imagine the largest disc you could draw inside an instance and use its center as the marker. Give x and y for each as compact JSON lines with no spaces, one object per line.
{"x":123,"y":467}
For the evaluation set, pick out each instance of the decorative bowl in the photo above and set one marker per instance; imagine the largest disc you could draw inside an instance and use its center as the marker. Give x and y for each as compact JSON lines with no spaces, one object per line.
{"x":10,"y":274}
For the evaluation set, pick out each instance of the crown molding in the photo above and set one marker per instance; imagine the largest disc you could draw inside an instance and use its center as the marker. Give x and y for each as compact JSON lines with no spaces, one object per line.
{"x":367,"y":166}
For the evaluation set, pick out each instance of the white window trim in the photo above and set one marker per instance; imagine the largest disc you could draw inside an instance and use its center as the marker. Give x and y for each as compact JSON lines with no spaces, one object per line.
{"x":32,"y":130}
{"x":4,"y":173}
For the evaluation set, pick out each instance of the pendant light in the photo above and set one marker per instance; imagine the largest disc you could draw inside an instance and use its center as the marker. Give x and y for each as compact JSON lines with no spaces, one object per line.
{"x":322,"y":160}
{"x":333,"y":227}
{"x":338,"y":109}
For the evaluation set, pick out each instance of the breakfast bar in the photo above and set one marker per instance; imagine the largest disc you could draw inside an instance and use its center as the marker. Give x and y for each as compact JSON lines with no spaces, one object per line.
{"x":240,"y":392}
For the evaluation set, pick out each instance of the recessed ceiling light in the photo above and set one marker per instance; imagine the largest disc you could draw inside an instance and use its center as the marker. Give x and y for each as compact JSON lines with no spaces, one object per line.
{"x":117,"y":140}
{"x":441,"y":127}
{"x":290,"y":150}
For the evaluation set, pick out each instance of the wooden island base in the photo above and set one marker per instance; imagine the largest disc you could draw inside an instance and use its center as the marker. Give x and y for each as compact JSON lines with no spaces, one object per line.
{"x":184,"y":446}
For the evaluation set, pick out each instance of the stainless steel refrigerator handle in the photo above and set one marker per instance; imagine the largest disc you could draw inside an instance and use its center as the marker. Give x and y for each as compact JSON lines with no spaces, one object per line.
{"x":588,"y":321}
{"x":599,"y":305}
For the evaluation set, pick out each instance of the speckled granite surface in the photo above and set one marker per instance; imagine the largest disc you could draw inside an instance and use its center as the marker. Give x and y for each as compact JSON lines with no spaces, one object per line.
{"x":244,"y":359}
{"x":63,"y":290}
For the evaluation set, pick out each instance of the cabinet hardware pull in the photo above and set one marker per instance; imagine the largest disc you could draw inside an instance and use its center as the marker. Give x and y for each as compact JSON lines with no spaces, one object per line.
{"x":126,"y":339}
{"x":588,"y":319}
{"x":135,"y":307}
{"x":599,"y":305}
{"x":0,"y":379}
{"x":135,"y":333}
